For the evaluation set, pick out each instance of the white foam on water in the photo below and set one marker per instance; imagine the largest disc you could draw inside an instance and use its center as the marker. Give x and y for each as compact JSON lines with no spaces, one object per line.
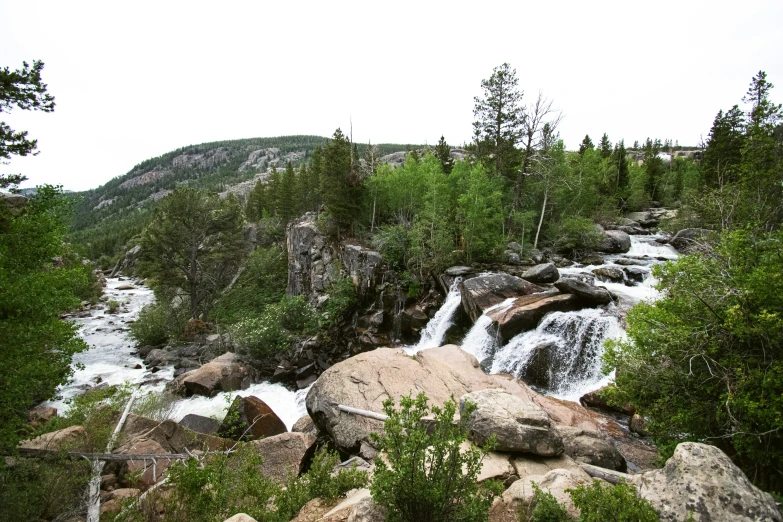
{"x":481,"y":340}
{"x":435,"y":332}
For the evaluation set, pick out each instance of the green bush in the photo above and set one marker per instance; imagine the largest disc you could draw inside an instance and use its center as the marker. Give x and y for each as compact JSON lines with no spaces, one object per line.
{"x":575,"y":234}
{"x":427,"y":477}
{"x":158,"y":323}
{"x":277,"y":326}
{"x":342,"y":301}
{"x":543,"y":507}
{"x":113,"y":306}
{"x":394,"y":244}
{"x":604,"y":503}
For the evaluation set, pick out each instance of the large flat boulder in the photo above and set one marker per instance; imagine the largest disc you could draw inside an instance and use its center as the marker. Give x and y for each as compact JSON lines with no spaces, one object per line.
{"x":140,"y":473}
{"x":518,"y":426}
{"x":591,"y":294}
{"x":250,"y":418}
{"x":614,"y":242}
{"x":225,"y":373}
{"x":525,"y":312}
{"x":486,"y":290}
{"x":543,"y":273}
{"x":284,"y":455}
{"x":172,"y":437}
{"x":72,"y":438}
{"x":555,"y":482}
{"x":200,"y":424}
{"x":590,"y":448}
{"x":365,"y":380}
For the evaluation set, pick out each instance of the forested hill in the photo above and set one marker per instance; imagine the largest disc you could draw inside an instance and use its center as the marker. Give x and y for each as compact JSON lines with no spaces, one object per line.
{"x":105,"y":218}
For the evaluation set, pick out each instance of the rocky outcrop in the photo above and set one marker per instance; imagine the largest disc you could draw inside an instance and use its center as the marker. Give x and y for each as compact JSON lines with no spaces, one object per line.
{"x":305,"y":425}
{"x":250,"y":418}
{"x":200,"y":424}
{"x":594,"y":399}
{"x":127,"y":263}
{"x":614,"y":242}
{"x":13,"y":202}
{"x":555,"y":482}
{"x":284,"y":455}
{"x":518,"y":425}
{"x":486,"y":290}
{"x":594,"y":295}
{"x":690,"y":239}
{"x":364,"y":381}
{"x":590,"y":448}
{"x":544,"y":273}
{"x":364,"y":267}
{"x":524,"y":313}
{"x":309,"y":256}
{"x":72,"y":438}
{"x":225,"y":373}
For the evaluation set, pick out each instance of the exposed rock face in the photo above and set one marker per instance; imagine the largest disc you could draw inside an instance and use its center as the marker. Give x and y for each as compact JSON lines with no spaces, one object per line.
{"x":595,"y":295}
{"x":172,"y":437}
{"x":250,"y":418}
{"x":688,"y":239}
{"x":525,"y":312}
{"x":484,"y":291}
{"x":13,"y":202}
{"x":305,"y":425}
{"x":308,"y":258}
{"x":72,"y":438}
{"x":701,"y":479}
{"x":614,"y":242}
{"x":200,"y":424}
{"x":41,"y":414}
{"x":364,"y":266}
{"x":147,"y":475}
{"x":225,"y":373}
{"x":284,"y":455}
{"x":519,"y":426}
{"x":366,"y":380}
{"x":589,"y":448}
{"x":556,"y":482}
{"x":127,"y":263}
{"x":594,"y":399}
{"x":545,"y":273}
{"x":144,"y":178}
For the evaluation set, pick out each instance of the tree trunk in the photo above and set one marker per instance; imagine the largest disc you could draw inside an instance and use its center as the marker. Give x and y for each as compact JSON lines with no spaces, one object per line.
{"x":541,"y":219}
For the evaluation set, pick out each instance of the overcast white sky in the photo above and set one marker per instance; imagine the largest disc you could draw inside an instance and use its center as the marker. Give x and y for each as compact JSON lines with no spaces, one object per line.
{"x":133,"y":80}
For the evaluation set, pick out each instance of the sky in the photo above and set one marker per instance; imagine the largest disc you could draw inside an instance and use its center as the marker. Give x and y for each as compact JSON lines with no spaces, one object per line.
{"x":133,"y":80}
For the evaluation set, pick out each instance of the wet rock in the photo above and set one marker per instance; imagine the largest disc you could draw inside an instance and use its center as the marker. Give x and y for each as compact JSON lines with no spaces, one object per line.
{"x":590,"y":448}
{"x":636,"y":425}
{"x":635,"y":273}
{"x":484,"y":291}
{"x":250,"y":418}
{"x":225,"y":373}
{"x":545,"y":273}
{"x":200,"y":424}
{"x":614,"y":242}
{"x":594,"y":399}
{"x":72,"y":438}
{"x":544,"y":363}
{"x":624,"y":261}
{"x":158,"y":357}
{"x":126,"y":287}
{"x":412,"y":320}
{"x":524,"y":313}
{"x":594,"y":295}
{"x":609,"y":273}
{"x":284,"y":455}
{"x":518,"y":425}
{"x":592,"y":259}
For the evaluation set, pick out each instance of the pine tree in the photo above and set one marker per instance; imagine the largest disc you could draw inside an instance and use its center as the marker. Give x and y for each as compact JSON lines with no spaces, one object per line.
{"x":256,"y":202}
{"x":653,"y":166}
{"x":587,"y":143}
{"x":500,"y":117}
{"x":606,"y":146}
{"x":443,"y":153}
{"x":273,"y":192}
{"x":287,"y":208}
{"x":622,"y":166}
{"x":723,"y":155}
{"x":340,"y":183}
{"x":314,"y":175}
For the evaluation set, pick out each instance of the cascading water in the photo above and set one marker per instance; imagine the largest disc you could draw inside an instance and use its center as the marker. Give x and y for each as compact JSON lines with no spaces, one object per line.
{"x":563,"y":354}
{"x":435,"y":332}
{"x":481,"y":340}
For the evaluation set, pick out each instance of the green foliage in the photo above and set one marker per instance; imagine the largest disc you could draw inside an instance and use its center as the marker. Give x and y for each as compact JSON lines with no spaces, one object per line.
{"x":341,"y":184}
{"x":342,"y":301}
{"x":706,"y":362}
{"x":426,"y":476}
{"x":159,"y":322}
{"x":576,"y":234}
{"x":276,"y":327}
{"x":39,"y":278}
{"x":261,"y":283}
{"x":478,"y":212}
{"x":543,"y":507}
{"x":194,"y":243}
{"x":603,"y":503}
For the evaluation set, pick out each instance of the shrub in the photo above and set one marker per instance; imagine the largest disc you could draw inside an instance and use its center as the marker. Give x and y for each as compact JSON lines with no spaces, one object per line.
{"x":543,"y":507}
{"x":158,"y":323}
{"x":342,"y":300}
{"x":603,"y":503}
{"x":427,"y":476}
{"x":113,"y":306}
{"x":394,"y":244}
{"x":277,"y":326}
{"x":574,"y":234}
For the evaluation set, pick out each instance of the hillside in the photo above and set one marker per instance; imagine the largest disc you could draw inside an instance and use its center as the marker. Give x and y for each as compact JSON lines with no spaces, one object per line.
{"x":105,"y":218}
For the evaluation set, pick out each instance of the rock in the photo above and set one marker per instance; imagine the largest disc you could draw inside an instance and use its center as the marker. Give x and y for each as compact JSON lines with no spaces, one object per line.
{"x":645,"y":218}
{"x":171,"y":436}
{"x":143,"y":473}
{"x":41,"y":414}
{"x":594,"y":399}
{"x":126,"y":287}
{"x":515,"y":247}
{"x":524,"y":313}
{"x":546,"y":273}
{"x":555,"y":482}
{"x":526,"y":465}
{"x":688,"y":239}
{"x":589,"y":448}
{"x":225,"y":373}
{"x":13,"y":202}
{"x":614,"y":242}
{"x":284,"y":455}
{"x":308,"y":258}
{"x":610,"y":274}
{"x":127,"y":263}
{"x":109,"y":482}
{"x":200,"y":424}
{"x":635,"y":273}
{"x":250,"y":418}
{"x":592,"y":259}
{"x":412,"y":320}
{"x":456,"y":271}
{"x":158,"y":357}
{"x":636,"y":425}
{"x":240,"y":517}
{"x":494,"y":466}
{"x":72,"y":438}
{"x":484,"y":291}
{"x":352,"y":499}
{"x":367,"y":511}
{"x":543,"y":365}
{"x":365,"y":380}
{"x":513,"y":259}
{"x":594,"y":295}
{"x":305,"y":425}
{"x":624,"y":261}
{"x":701,"y":479}
{"x":364,"y":266}
{"x":518,"y":425}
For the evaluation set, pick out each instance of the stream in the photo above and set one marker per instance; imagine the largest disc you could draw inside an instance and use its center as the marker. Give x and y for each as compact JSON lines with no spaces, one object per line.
{"x":111,"y":359}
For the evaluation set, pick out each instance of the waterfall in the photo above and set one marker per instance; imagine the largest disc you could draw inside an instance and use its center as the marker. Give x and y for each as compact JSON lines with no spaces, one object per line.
{"x":435,"y":331}
{"x":563,"y":354}
{"x":481,"y":341}
{"x":650,"y":247}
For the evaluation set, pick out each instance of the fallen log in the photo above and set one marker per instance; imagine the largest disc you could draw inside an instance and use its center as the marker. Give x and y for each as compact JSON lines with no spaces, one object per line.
{"x":42,"y":453}
{"x":363,"y":413}
{"x":611,"y":476}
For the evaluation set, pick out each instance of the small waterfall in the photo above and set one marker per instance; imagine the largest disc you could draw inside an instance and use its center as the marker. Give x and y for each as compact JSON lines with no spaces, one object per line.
{"x":435,"y":331}
{"x":481,"y":341}
{"x":649,"y":247}
{"x":563,"y":354}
